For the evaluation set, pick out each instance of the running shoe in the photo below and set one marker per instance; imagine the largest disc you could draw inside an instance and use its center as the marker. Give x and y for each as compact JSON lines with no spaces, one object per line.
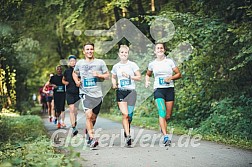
{"x":50,"y":119}
{"x":128,"y":140}
{"x":93,"y":143}
{"x":58,"y":125}
{"x":166,"y":141}
{"x":87,"y":136}
{"x":55,"y":121}
{"x":75,"y":131}
{"x":125,"y":132}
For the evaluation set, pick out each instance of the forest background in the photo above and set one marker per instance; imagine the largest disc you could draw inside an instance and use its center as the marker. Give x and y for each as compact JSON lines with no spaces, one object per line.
{"x":214,"y":95}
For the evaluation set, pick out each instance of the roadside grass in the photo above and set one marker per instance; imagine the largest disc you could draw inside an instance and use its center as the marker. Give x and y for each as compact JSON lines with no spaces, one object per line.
{"x":24,"y":142}
{"x":152,"y":124}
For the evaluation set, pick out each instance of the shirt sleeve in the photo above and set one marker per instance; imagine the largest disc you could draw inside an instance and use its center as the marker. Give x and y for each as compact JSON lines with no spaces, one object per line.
{"x":135,"y":67}
{"x":173,"y":64}
{"x":113,"y":71}
{"x":77,"y":68}
{"x":150,"y":67}
{"x":104,"y":67}
{"x":65,"y":74}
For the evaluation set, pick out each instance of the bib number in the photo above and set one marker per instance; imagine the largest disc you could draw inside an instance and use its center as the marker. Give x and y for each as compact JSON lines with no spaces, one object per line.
{"x":125,"y":82}
{"x":162,"y":82}
{"x":89,"y":82}
{"x":60,"y":89}
{"x":50,"y":93}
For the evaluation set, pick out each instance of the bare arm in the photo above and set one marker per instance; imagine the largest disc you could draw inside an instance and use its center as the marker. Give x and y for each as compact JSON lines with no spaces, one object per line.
{"x":113,"y":80}
{"x":147,"y":78}
{"x":176,"y":76}
{"x":76,"y":79}
{"x":136,"y":77}
{"x":101,"y":76}
{"x":44,"y":88}
{"x":64,"y":81}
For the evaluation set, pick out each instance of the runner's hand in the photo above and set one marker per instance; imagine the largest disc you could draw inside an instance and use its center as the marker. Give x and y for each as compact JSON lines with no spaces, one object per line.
{"x":114,"y":86}
{"x":95,"y":74}
{"x":78,"y":84}
{"x":168,"y":79}
{"x":124,"y":74}
{"x":147,"y":84}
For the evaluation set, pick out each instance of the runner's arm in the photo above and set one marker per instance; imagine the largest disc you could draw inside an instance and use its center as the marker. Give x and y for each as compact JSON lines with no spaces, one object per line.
{"x":64,"y":81}
{"x":76,"y":79}
{"x":137,"y":76}
{"x":113,"y":80}
{"x":147,"y":78}
{"x":176,"y":76}
{"x":101,"y":76}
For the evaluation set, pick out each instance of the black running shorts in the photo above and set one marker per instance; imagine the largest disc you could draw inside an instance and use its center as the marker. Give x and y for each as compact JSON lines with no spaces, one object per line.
{"x":167,"y":94}
{"x":72,"y":98}
{"x":128,"y":96}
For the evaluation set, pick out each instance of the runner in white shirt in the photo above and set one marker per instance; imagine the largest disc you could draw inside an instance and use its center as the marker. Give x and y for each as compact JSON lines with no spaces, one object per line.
{"x":124,"y":75}
{"x":165,"y":72}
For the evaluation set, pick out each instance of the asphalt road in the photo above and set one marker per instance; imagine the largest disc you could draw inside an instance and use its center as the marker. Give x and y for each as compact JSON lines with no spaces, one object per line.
{"x":147,"y":149}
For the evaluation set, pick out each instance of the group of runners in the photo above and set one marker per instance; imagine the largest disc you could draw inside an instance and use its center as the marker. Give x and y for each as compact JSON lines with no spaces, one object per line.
{"x":83,"y":82}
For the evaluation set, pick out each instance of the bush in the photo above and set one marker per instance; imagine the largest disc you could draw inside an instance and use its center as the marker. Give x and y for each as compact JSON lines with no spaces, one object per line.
{"x":35,"y":153}
{"x":230,"y":117}
{"x":18,"y":128}
{"x":24,"y":142}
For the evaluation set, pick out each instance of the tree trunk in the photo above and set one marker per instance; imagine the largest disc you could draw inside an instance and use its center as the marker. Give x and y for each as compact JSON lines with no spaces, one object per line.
{"x":117,"y":17}
{"x":140,"y":7}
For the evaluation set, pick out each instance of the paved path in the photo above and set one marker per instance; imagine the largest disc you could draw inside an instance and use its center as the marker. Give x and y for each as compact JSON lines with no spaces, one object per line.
{"x":147,"y":150}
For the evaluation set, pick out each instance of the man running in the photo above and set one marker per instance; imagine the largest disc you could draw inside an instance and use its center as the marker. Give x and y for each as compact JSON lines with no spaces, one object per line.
{"x":59,"y":96}
{"x":91,"y":71}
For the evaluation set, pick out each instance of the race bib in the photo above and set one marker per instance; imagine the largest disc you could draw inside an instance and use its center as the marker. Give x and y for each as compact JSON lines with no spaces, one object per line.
{"x":60,"y":89}
{"x":89,"y":82}
{"x":50,"y":93}
{"x":162,"y":82}
{"x":125,"y":82}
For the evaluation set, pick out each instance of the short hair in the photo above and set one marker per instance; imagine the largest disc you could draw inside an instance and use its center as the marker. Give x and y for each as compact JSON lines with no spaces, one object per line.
{"x":124,"y":47}
{"x":58,"y":67}
{"x":88,"y":43}
{"x":156,"y":43}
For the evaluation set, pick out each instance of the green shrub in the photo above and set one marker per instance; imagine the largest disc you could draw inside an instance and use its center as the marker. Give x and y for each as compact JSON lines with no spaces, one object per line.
{"x":24,"y":142}
{"x":35,"y":153}
{"x":230,"y":117}
{"x":20,"y":127}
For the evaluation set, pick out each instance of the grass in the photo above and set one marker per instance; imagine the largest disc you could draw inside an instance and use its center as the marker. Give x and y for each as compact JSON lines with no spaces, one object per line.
{"x":146,"y":122}
{"x":152,"y":123}
{"x":24,"y":142}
